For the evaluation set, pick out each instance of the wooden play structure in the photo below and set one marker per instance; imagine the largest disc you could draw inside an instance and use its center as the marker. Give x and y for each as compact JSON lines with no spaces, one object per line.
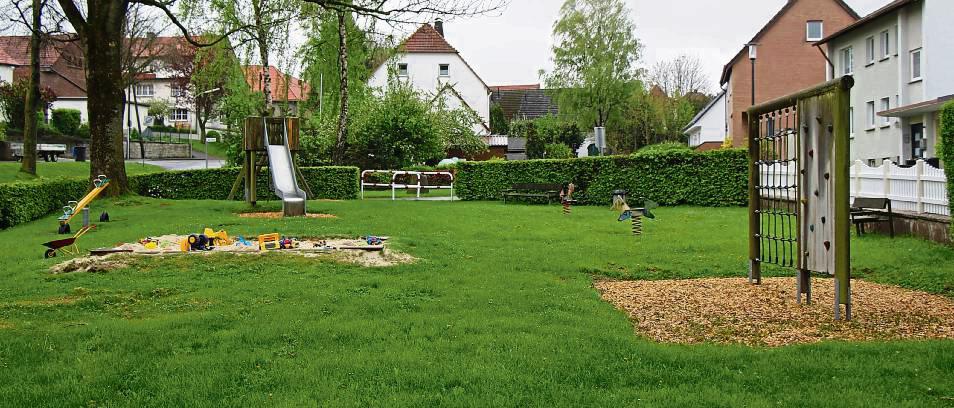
{"x":800,"y":219}
{"x":273,"y":142}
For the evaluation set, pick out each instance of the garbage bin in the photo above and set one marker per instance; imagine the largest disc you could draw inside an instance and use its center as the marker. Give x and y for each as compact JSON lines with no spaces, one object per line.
{"x":79,"y":153}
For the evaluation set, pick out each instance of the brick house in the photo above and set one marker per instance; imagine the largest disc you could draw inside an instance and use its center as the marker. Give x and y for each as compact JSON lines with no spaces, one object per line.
{"x":787,"y":59}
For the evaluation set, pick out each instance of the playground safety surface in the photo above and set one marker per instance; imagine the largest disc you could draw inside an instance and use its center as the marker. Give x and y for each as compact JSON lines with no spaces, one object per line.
{"x":731,"y":311}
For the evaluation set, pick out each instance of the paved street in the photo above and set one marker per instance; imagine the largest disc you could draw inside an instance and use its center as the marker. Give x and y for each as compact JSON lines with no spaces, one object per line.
{"x":196,"y":162}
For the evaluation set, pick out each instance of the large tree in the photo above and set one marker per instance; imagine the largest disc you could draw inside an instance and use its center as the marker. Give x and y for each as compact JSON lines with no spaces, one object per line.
{"x":99,"y":25}
{"x":680,"y":76}
{"x":595,"y":53}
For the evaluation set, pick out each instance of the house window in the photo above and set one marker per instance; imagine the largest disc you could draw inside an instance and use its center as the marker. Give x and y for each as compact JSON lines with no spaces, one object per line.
{"x":885,"y":44}
{"x":847,"y":61}
{"x":870,"y":115}
{"x":916,"y":65}
{"x":144,"y":90}
{"x":444,"y":70}
{"x":180,"y":115}
{"x":815,"y":30}
{"x":178,"y":91}
{"x":402,"y":69}
{"x":885,"y":105}
{"x":870,"y":50}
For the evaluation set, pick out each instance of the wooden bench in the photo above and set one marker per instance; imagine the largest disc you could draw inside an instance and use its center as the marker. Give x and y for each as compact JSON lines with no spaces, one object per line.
{"x":551,"y":192}
{"x":870,"y":211}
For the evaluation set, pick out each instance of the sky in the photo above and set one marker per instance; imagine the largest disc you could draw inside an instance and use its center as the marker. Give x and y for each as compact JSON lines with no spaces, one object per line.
{"x":511,"y":47}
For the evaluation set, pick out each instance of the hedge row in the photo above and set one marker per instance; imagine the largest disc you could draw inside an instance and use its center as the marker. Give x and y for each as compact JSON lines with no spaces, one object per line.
{"x":334,"y":183}
{"x":26,"y":201}
{"x":716,"y":178}
{"x":947,"y":152}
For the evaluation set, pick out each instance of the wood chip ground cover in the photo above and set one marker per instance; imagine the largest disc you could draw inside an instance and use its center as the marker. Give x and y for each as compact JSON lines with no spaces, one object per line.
{"x":731,"y":311}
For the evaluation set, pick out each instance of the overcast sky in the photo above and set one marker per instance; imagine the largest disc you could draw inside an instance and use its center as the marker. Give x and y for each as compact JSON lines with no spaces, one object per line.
{"x":511,"y":48}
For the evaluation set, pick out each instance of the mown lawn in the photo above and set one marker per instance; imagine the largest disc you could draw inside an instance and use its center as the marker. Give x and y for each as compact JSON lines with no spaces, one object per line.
{"x":10,"y":171}
{"x":216,"y":150}
{"x":499,"y":311}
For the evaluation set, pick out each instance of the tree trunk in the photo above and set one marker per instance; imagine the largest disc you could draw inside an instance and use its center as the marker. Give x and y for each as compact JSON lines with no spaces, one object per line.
{"x":341,"y":145}
{"x":32,"y":105}
{"x":105,"y":93}
{"x":262,"y":34}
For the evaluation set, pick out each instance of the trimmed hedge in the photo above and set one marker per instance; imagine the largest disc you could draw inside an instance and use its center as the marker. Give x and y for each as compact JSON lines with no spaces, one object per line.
{"x":715,"y":178}
{"x":947,"y":152}
{"x":334,"y":183}
{"x":26,"y":201}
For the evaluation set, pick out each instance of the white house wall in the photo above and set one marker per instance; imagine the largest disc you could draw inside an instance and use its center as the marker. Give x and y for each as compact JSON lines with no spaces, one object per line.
{"x":6,"y":73}
{"x":711,"y":126}
{"x":423,"y":74}
{"x":911,"y":28}
{"x":939,"y":40}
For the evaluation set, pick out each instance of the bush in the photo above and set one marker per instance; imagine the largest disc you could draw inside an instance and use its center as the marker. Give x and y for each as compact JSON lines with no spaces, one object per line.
{"x":665,"y":147}
{"x":333,"y":183}
{"x":947,"y":151}
{"x":213,"y":134}
{"x":3,"y":131}
{"x":558,"y":151}
{"x":13,"y":101}
{"x":716,"y":178}
{"x":26,"y":201}
{"x":83,"y":131}
{"x":545,"y":131}
{"x":67,"y":121}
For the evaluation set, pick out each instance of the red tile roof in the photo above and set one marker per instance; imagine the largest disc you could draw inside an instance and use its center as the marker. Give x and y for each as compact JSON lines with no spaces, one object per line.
{"x":297,"y":89}
{"x":15,"y":50}
{"x":426,"y":40}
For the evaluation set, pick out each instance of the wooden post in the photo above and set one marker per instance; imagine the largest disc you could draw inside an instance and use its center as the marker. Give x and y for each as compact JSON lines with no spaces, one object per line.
{"x":755,"y":267}
{"x":841,"y":157}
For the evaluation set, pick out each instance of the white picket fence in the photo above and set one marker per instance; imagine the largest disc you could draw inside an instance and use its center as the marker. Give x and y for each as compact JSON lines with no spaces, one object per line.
{"x":919,"y":189}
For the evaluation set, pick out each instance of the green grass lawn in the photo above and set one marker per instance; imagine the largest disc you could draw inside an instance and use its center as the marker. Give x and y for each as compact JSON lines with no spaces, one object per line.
{"x":499,"y":311}
{"x":10,"y":171}
{"x":216,"y":150}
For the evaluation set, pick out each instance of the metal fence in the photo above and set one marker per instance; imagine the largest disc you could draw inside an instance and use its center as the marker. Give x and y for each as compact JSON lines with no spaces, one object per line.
{"x":920,"y":189}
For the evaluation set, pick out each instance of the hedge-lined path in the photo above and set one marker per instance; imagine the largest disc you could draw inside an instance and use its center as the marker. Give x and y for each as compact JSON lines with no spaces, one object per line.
{"x":500,"y":310}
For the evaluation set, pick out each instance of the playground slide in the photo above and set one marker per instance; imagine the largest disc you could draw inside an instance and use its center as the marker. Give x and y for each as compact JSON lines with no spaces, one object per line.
{"x":284,"y":181}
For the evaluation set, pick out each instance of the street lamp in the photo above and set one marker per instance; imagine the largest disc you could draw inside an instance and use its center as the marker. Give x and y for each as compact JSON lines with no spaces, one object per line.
{"x":753,"y":54}
{"x":196,"y":105}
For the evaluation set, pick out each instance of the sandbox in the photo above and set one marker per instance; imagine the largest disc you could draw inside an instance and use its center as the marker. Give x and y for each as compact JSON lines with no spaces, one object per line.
{"x":354,"y":251}
{"x":731,"y":311}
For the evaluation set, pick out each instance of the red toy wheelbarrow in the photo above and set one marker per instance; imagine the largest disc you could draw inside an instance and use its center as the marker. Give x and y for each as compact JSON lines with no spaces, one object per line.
{"x":67,"y":245}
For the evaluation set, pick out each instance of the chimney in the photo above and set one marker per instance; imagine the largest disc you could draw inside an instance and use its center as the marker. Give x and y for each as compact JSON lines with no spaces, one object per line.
{"x":439,"y":26}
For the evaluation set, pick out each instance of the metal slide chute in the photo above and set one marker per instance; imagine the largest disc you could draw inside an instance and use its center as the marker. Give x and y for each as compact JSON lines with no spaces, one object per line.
{"x":282,"y":169}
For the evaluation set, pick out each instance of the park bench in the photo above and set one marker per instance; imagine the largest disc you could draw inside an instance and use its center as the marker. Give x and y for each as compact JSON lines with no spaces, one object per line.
{"x":550,"y":192}
{"x":871,"y":211}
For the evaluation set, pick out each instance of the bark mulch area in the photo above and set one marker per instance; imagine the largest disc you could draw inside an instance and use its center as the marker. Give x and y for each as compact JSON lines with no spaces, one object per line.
{"x":732,"y":311}
{"x":278,"y":214}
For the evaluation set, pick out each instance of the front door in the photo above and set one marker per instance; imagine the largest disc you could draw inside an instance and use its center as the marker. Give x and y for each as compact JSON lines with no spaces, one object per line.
{"x":918,"y":142}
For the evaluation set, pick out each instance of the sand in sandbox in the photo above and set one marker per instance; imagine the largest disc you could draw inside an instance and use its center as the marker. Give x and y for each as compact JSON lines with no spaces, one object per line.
{"x":733,"y":311}
{"x":353,"y":251}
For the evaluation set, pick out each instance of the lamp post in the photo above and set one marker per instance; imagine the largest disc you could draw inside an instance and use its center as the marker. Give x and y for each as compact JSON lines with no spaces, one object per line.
{"x":753,"y":54}
{"x":204,"y":141}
